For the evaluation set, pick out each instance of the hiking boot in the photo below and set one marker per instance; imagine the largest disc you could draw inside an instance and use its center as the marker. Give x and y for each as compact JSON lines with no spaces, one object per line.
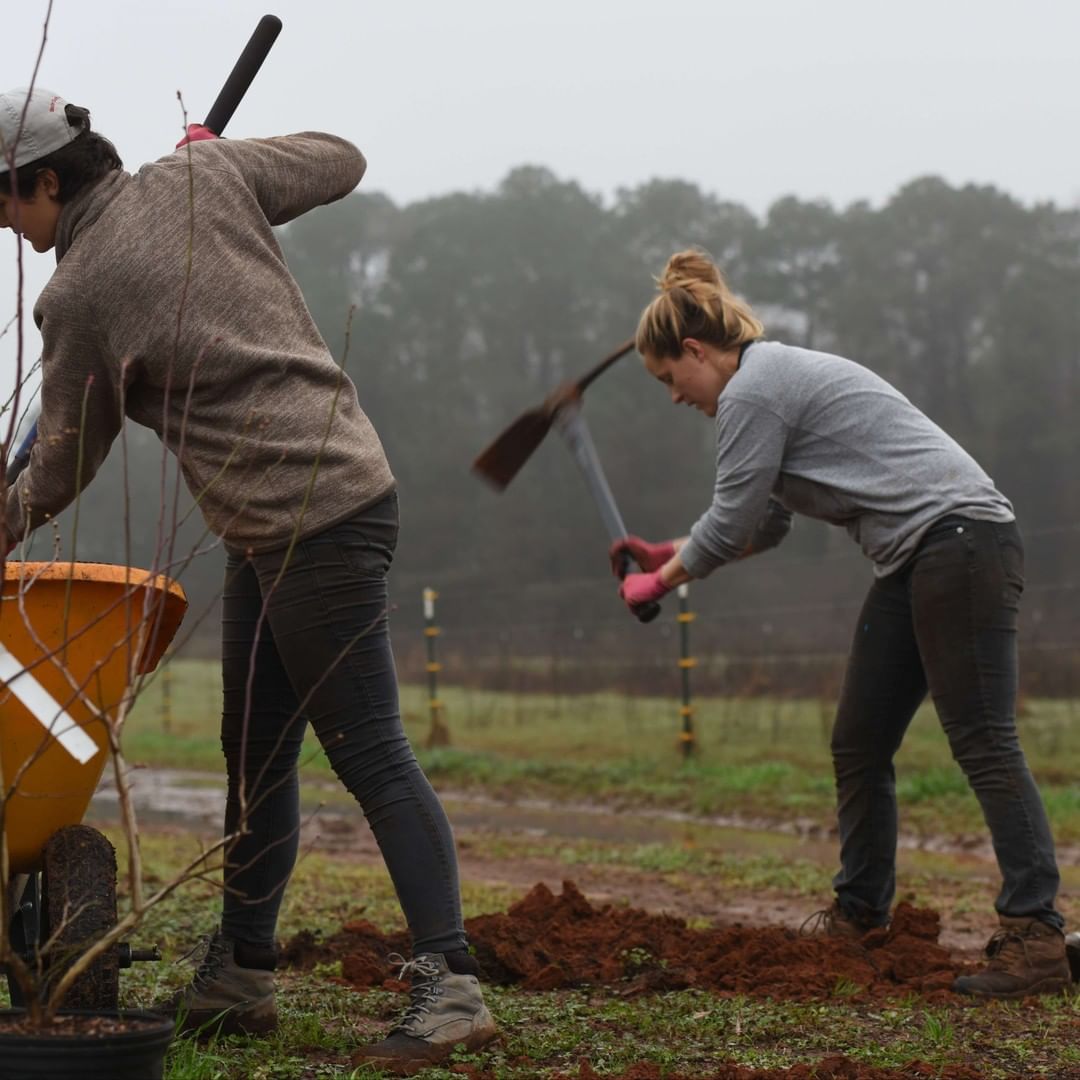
{"x":446,"y":1010}
{"x":835,"y":922}
{"x":1025,"y":956}
{"x":231,"y":993}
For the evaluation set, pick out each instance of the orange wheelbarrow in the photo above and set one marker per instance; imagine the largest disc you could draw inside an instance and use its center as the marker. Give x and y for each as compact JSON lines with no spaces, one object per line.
{"x":74,"y":638}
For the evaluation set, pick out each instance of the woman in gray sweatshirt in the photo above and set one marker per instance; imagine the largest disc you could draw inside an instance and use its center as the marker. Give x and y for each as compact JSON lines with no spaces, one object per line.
{"x":805,"y":432}
{"x":171,"y":305}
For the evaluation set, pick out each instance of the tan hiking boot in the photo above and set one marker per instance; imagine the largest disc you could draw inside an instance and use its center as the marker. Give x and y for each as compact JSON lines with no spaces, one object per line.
{"x":1024,"y":957}
{"x":834,"y":921}
{"x":446,"y":1010}
{"x":231,"y":993}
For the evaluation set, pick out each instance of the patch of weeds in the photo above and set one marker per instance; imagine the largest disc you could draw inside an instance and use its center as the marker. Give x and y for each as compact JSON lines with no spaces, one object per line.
{"x":639,"y":959}
{"x":846,"y":988}
{"x":187,"y":1060}
{"x":937,"y":1029}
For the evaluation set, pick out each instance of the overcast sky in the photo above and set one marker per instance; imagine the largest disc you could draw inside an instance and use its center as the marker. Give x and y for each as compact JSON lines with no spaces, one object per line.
{"x":750,"y":99}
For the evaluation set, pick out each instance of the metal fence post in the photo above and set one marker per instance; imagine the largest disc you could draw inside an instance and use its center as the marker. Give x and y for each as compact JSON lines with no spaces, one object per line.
{"x":439,"y":733}
{"x":686,"y":662}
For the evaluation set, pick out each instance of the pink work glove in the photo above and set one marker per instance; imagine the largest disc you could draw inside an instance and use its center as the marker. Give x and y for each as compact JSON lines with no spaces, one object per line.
{"x":638,"y":589}
{"x":195,"y":133}
{"x":647,"y":556}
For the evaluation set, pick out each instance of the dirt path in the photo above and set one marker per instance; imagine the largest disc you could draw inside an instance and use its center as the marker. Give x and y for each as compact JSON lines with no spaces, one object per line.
{"x":486,"y":830}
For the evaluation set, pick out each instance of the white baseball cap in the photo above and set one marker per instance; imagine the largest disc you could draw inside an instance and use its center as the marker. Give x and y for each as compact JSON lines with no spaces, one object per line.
{"x":33,"y":123}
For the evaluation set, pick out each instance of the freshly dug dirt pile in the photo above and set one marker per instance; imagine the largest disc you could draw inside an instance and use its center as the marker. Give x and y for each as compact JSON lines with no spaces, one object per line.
{"x":546,"y":941}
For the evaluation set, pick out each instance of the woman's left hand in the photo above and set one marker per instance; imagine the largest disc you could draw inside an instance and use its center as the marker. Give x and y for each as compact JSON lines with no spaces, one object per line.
{"x":637,"y":589}
{"x":647,"y":556}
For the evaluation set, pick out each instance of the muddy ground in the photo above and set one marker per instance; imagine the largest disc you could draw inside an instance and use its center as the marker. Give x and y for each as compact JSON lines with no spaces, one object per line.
{"x":485,"y":830}
{"x":831,"y":1068}
{"x":632,"y":931}
{"x":548,"y":941}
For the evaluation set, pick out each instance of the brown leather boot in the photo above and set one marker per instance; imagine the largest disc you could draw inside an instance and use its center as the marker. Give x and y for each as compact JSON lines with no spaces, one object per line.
{"x":1024,"y":957}
{"x":834,"y":921}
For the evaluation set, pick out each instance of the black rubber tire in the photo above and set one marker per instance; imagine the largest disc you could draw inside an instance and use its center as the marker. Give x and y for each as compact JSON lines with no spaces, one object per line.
{"x":78,"y":904}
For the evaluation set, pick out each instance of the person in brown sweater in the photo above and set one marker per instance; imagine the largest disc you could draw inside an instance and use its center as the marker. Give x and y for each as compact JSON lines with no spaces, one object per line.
{"x":171,"y":304}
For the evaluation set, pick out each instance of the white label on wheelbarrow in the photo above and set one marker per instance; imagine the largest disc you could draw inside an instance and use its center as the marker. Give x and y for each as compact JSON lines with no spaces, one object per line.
{"x":45,"y":709}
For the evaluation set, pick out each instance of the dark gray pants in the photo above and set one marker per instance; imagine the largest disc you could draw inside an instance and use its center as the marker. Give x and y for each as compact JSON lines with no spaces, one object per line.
{"x":946,"y":622}
{"x":310,"y":644}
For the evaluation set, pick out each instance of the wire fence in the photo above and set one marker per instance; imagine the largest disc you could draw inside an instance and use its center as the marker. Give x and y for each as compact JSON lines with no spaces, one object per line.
{"x":789,"y":646}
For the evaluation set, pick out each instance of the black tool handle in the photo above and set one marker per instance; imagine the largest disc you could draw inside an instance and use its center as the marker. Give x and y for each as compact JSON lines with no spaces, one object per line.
{"x":643,"y":612}
{"x":604,"y":364}
{"x":245,"y":69}
{"x":647,"y":612}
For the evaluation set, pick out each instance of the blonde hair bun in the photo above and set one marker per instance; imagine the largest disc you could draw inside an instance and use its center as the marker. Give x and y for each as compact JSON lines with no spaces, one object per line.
{"x":687,"y":269}
{"x":694,"y":301}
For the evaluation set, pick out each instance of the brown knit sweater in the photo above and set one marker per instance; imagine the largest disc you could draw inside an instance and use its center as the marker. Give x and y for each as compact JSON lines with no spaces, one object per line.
{"x":224,"y":362}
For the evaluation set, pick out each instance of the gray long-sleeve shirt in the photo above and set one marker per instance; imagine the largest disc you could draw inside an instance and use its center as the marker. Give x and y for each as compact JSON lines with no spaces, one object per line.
{"x":224,"y":363}
{"x":806,"y":432}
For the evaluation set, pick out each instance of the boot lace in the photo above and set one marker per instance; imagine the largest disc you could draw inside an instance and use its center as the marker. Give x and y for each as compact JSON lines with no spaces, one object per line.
{"x":424,"y":975}
{"x":818,"y":923}
{"x":999,"y":954}
{"x":828,"y":921}
{"x":215,"y":951}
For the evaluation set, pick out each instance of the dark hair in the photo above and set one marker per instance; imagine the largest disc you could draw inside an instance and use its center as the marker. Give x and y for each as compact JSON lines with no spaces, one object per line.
{"x":77,"y":164}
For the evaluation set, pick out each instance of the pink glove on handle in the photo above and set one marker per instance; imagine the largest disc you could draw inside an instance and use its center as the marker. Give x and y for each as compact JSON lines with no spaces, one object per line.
{"x":195,"y":133}
{"x":647,"y":556}
{"x":638,"y":589}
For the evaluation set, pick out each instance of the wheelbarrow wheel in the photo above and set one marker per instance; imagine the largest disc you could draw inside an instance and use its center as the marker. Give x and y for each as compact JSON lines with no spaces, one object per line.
{"x":78,"y":905}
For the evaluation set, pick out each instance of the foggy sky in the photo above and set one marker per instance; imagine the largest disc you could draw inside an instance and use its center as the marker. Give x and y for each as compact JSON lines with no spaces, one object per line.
{"x":752,"y":100}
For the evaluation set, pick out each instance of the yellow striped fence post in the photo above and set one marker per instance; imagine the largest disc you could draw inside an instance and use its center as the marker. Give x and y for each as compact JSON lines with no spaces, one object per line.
{"x":686,"y":662}
{"x":439,"y":733}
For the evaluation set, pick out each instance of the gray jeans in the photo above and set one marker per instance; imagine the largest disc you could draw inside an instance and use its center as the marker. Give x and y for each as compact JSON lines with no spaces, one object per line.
{"x":310,"y":644}
{"x":945,"y":622}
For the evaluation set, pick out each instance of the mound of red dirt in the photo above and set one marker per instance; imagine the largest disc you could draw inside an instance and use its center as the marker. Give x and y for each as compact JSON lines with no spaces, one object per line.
{"x":546,"y":941}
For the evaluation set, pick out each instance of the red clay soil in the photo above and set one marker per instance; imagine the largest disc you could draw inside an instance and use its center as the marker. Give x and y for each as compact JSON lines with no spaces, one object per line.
{"x":544,"y":942}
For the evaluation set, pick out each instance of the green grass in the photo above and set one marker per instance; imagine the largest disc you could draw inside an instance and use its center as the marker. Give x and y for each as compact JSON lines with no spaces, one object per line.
{"x":757,"y":757}
{"x":545,"y":1034}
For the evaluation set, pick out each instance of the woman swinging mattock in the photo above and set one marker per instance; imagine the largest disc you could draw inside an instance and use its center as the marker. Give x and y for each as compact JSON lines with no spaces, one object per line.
{"x":805,"y":432}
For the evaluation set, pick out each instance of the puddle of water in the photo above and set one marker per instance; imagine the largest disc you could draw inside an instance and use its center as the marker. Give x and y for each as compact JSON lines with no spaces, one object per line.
{"x":197,"y":800}
{"x":164,"y":797}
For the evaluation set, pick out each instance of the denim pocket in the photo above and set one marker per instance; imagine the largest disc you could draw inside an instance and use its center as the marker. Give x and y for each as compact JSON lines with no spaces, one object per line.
{"x":367,"y":541}
{"x":1010,"y":551}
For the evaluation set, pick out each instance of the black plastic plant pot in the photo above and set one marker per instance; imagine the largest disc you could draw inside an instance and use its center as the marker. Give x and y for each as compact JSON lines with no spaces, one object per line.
{"x":126,"y":1045}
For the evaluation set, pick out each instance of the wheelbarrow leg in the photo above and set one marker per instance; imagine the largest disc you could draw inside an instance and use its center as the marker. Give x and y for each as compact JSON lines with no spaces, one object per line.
{"x":24,"y":928}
